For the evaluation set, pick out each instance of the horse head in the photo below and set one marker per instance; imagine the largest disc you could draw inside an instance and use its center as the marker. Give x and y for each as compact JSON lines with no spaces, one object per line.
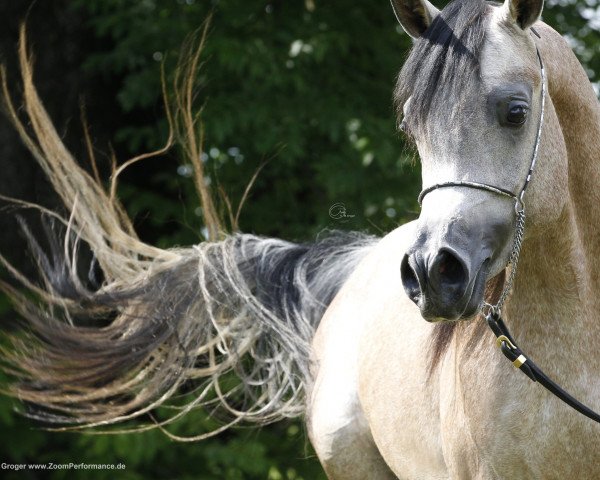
{"x":471,"y":96}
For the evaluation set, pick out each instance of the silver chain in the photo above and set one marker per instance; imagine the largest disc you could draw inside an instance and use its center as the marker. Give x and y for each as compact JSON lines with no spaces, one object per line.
{"x":513,"y":262}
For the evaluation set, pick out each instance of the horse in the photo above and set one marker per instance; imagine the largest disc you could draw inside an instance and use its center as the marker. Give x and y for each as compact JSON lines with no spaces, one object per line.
{"x":380,"y":342}
{"x":414,"y":399}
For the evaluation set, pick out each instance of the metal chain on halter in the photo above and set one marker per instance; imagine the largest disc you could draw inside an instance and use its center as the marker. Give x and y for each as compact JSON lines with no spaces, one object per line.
{"x":512,"y":262}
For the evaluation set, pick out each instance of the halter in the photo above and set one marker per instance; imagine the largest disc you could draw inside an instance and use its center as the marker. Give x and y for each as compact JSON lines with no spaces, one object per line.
{"x":518,"y":198}
{"x":504,"y":340}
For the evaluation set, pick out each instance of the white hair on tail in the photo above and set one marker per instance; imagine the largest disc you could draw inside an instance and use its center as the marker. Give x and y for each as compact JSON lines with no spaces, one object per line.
{"x":161,"y":320}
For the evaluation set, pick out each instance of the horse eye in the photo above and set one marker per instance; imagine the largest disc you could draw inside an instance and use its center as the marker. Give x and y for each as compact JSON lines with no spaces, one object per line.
{"x":517,"y":112}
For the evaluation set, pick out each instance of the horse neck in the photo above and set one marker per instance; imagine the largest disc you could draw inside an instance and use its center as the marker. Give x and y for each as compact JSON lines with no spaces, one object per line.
{"x":555,"y":292}
{"x":578,"y":111}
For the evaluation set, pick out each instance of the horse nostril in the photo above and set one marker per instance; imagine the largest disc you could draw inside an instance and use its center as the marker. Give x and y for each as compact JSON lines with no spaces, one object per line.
{"x":450,"y":269}
{"x":410,"y":280}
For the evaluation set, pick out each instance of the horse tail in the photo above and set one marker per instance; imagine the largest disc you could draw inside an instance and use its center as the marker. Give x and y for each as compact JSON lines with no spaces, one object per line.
{"x":228,"y":323}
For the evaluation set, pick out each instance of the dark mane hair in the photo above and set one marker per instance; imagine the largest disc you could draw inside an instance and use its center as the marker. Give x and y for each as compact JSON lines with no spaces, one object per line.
{"x":443,"y":62}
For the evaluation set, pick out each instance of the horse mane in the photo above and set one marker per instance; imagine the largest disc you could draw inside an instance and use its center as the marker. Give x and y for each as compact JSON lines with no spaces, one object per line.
{"x":443,"y":62}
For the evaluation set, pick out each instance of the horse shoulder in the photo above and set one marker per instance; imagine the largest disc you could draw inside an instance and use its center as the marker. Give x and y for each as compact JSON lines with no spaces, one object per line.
{"x":399,"y":399}
{"x":336,"y":422}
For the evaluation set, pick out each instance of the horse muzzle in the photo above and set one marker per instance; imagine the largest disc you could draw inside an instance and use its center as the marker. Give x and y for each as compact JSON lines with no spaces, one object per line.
{"x":444,"y":272}
{"x":443,"y":285}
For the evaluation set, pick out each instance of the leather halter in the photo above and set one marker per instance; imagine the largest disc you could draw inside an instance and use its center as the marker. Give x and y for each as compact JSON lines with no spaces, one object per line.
{"x":504,"y":340}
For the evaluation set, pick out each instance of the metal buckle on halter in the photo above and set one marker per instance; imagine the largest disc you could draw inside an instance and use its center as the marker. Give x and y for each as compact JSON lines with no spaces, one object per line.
{"x":504,"y":338}
{"x":492,"y":310}
{"x":517,"y":362}
{"x":519,"y":204}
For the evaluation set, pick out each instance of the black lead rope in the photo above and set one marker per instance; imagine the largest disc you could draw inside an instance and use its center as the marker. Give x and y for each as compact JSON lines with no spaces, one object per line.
{"x":511,"y":351}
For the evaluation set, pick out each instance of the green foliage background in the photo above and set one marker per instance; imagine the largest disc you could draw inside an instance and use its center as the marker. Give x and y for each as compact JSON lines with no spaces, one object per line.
{"x":302,"y":84}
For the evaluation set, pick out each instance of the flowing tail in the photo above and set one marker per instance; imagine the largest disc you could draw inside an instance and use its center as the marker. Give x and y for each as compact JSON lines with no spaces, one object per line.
{"x":229,"y":322}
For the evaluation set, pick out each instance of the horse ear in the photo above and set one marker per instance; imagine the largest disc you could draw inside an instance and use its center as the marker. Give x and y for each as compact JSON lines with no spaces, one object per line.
{"x":523,"y":12}
{"x":415,"y":16}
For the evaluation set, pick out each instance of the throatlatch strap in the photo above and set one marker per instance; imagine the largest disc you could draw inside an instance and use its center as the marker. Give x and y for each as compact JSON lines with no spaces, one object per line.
{"x":509,"y":348}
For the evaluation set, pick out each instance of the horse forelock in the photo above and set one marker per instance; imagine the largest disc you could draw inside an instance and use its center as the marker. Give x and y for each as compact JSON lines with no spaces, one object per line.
{"x":443,"y":63}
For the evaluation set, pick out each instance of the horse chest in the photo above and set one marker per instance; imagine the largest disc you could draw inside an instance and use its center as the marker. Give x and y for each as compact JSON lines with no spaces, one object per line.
{"x":511,"y":428}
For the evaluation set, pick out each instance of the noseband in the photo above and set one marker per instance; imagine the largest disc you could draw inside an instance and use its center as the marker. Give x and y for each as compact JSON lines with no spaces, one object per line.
{"x":504,"y":340}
